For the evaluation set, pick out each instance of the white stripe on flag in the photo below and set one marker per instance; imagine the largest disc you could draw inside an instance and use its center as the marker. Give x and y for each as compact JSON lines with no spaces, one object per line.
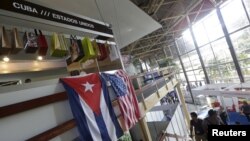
{"x":107,"y":119}
{"x":126,"y":109}
{"x":127,"y":100}
{"x":90,"y":117}
{"x":129,"y":110}
{"x":123,"y":111}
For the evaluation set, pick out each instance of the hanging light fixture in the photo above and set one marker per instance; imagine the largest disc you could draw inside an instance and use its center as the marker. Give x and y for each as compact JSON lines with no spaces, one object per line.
{"x":6,"y":59}
{"x":40,"y":58}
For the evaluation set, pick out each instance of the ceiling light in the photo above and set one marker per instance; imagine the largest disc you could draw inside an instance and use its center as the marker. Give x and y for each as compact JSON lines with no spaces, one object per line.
{"x":6,"y":59}
{"x":39,"y":58}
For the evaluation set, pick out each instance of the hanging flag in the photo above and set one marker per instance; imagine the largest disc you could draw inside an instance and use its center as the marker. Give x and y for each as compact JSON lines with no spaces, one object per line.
{"x":127,"y":100}
{"x":92,"y":108}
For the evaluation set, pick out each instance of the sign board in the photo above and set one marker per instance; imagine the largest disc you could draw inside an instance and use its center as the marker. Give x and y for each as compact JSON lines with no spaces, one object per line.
{"x":38,"y":11}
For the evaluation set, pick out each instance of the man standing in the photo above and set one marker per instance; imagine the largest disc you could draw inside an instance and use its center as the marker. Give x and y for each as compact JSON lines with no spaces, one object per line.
{"x":196,"y":124}
{"x":223,"y":115}
{"x":246,"y":110}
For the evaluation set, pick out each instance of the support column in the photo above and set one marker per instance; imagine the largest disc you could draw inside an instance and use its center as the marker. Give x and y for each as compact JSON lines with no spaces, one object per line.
{"x":183,"y":103}
{"x":184,"y":71}
{"x":197,"y":49}
{"x":230,"y":45}
{"x":118,"y":51}
{"x":145,"y":129}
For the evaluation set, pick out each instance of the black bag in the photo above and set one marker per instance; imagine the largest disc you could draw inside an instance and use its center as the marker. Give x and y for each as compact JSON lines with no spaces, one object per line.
{"x":30,"y":42}
{"x":81,"y":51}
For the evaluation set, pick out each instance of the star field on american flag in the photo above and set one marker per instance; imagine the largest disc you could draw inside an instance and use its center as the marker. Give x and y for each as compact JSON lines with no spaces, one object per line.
{"x":119,"y":85}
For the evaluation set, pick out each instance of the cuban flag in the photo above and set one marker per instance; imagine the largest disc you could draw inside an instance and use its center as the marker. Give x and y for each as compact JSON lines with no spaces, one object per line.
{"x":92,"y":109}
{"x":126,"y":97}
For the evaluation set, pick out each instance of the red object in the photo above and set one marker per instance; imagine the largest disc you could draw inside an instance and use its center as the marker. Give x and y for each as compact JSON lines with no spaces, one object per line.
{"x":89,"y":88}
{"x":103,"y":51}
{"x":42,"y":44}
{"x":233,"y":108}
{"x":216,"y":104}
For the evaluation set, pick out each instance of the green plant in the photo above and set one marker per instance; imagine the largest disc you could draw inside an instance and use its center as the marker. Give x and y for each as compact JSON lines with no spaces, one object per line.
{"x":125,"y":137}
{"x":166,"y":62}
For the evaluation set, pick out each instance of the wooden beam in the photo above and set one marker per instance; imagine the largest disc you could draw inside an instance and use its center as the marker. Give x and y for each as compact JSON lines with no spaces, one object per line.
{"x":31,"y":104}
{"x":54,"y":132}
{"x":145,"y":130}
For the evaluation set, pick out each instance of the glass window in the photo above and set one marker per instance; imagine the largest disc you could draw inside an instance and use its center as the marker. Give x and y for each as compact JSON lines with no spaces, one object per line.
{"x":245,"y":68}
{"x":213,"y":27}
{"x":186,"y":62}
{"x":247,"y":4}
{"x":234,"y":15}
{"x":200,"y":34}
{"x":178,"y":64}
{"x":207,"y":55}
{"x":199,"y":74}
{"x":245,"y":63}
{"x":241,"y":42}
{"x":221,"y":51}
{"x":213,"y":73}
{"x":188,"y":40}
{"x":182,"y":77}
{"x":181,"y":46}
{"x":228,"y":72}
{"x":194,"y":59}
{"x":191,"y":76}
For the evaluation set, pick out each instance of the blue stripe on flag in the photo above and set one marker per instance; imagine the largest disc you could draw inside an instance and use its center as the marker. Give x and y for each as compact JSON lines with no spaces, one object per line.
{"x":79,"y":115}
{"x":119,"y":131}
{"x":102,"y":127}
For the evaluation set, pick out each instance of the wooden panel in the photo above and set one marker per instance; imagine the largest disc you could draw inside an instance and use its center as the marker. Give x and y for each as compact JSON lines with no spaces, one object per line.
{"x":105,"y":64}
{"x":153,"y":98}
{"x":31,"y":104}
{"x":162,"y":91}
{"x":49,"y":134}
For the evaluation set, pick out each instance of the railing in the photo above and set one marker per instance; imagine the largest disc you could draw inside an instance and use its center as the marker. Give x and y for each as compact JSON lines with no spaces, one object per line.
{"x":149,"y":94}
{"x":164,"y":137}
{"x":28,"y":105}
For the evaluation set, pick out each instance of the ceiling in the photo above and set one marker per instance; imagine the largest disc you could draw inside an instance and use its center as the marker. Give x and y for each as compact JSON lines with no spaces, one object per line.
{"x":172,"y":15}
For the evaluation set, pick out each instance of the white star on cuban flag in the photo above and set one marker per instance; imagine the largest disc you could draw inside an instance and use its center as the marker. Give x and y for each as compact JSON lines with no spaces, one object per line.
{"x":88,"y":87}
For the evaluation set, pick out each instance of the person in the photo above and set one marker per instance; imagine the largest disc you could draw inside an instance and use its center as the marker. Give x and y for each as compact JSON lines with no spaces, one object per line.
{"x":196,"y":124}
{"x":245,"y":109}
{"x":223,"y":115}
{"x":212,"y":119}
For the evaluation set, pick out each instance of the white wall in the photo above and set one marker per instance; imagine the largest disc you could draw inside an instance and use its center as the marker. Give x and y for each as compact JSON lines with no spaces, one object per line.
{"x":32,"y":122}
{"x":177,"y":125}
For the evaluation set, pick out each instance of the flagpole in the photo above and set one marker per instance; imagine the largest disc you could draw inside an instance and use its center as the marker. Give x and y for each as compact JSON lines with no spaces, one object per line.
{"x":97,"y":64}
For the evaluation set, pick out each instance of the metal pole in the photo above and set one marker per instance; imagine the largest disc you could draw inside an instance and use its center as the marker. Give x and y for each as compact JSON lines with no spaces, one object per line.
{"x":184,"y":71}
{"x":230,"y":45}
{"x":245,"y":9}
{"x":197,"y":49}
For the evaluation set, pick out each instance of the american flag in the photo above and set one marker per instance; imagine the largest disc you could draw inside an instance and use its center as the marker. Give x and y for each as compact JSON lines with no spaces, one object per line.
{"x":127,"y":100}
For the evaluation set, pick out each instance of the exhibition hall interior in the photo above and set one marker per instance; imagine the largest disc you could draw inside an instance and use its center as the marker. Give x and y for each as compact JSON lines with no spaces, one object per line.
{"x":123,"y":70}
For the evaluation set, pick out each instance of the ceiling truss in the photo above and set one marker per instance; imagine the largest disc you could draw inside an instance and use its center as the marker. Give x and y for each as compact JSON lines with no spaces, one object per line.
{"x":170,"y":14}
